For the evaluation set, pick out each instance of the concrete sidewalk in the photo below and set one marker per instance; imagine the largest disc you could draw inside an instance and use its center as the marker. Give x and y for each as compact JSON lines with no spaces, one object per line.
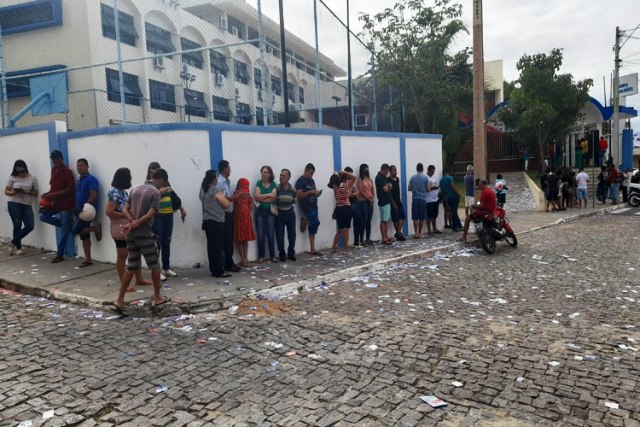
{"x":194,"y":290}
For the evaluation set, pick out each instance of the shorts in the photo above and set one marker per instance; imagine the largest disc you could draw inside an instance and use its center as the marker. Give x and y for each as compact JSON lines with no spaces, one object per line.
{"x":581,"y":193}
{"x":469,"y":201}
{"x":385,"y":212}
{"x":343,"y":216}
{"x":398,"y":214}
{"x":120,"y":244}
{"x":552,"y":195}
{"x":145,"y":246}
{"x":432,"y":210}
{"x":418,"y":210}
{"x":80,"y":225}
{"x":313,"y":220}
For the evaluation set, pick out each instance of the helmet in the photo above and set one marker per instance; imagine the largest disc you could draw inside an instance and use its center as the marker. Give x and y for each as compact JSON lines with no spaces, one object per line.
{"x":88,"y":213}
{"x":499,"y":186}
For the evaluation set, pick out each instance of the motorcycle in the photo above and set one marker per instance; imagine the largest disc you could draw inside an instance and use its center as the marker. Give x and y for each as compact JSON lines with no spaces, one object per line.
{"x":633,"y":197}
{"x":493,"y":227}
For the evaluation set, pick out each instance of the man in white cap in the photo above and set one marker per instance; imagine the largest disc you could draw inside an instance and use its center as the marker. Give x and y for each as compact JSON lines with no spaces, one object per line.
{"x":468,"y":190}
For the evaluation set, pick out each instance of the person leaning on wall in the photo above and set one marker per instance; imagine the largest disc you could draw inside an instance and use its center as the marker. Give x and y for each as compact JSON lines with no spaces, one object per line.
{"x":21,"y":188}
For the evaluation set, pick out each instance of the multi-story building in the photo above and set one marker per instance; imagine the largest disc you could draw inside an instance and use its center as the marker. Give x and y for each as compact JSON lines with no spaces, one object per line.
{"x":232,"y":81}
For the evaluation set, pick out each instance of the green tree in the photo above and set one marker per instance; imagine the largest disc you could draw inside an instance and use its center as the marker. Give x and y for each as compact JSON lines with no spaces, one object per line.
{"x":412,"y":44}
{"x":544,"y":104}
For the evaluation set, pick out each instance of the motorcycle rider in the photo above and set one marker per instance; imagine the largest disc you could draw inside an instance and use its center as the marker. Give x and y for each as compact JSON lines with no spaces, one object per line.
{"x":487,"y":205}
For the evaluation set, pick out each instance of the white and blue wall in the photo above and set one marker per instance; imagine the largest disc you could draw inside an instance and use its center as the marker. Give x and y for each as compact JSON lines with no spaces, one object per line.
{"x":188,"y":150}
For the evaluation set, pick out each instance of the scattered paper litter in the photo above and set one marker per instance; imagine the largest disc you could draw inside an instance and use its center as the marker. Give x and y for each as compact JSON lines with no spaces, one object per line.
{"x":273,"y":344}
{"x":47,"y":414}
{"x":578,"y":358}
{"x":372,"y":347}
{"x":233,"y":309}
{"x":371,"y":285}
{"x":161,"y":389}
{"x":456,"y":383}
{"x":612,"y":405}
{"x":433,"y":401}
{"x":554,"y":363}
{"x":520,"y":379}
{"x":27,"y":423}
{"x":314,"y":356}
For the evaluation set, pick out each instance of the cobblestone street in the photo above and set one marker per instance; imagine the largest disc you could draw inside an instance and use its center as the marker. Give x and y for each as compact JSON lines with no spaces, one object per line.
{"x":544,"y":334}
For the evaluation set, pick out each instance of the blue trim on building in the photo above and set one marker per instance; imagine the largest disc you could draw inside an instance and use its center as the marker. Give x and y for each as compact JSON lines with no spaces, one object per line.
{"x":156,"y":127}
{"x":404,"y":183}
{"x":337,"y":153}
{"x":605,"y":112}
{"x":215,"y":147}
{"x":56,"y":19}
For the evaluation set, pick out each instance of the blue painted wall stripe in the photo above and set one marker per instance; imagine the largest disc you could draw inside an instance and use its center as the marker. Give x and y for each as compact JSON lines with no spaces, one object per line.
{"x":337,"y":153}
{"x":404,"y":183}
{"x":215,"y":147}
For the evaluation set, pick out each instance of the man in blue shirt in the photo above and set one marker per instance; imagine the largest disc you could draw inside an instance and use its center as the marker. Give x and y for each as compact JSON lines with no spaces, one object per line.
{"x":418,"y":187}
{"x":86,"y":192}
{"x":307,"y":196}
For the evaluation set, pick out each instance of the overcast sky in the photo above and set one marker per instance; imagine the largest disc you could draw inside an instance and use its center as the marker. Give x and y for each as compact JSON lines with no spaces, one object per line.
{"x":585,"y":29}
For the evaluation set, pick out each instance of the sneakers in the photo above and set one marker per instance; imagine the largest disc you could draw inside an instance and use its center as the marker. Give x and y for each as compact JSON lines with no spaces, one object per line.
{"x":19,"y":252}
{"x":400,"y":237}
{"x":169,"y":273}
{"x":303,"y":224}
{"x":162,"y":277}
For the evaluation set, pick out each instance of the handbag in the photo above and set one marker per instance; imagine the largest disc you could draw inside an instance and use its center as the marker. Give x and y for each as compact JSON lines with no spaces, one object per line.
{"x":274,"y":209}
{"x":116,"y":228}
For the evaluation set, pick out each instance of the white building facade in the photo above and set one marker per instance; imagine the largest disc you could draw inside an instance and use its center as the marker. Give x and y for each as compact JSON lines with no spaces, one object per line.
{"x":233,"y":82}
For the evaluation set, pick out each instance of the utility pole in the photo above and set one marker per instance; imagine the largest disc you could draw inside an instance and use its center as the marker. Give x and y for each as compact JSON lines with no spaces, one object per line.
{"x":6,"y":117}
{"x":614,"y":143}
{"x":479,"y":136}
{"x":285,"y":78}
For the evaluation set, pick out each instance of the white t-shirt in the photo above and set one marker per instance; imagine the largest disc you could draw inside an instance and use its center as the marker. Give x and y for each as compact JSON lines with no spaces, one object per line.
{"x":23,"y":185}
{"x":432,"y":196}
{"x":582,"y":179}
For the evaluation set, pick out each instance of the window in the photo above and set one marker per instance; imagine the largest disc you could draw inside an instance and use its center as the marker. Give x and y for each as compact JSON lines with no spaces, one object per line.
{"x":132,"y":93}
{"x":128,"y":33}
{"x":301,"y":95}
{"x":291,"y":92}
{"x":252,"y":34}
{"x":243,"y":114}
{"x":273,"y":48}
{"x":194,"y":103}
{"x":158,"y":40}
{"x":30,"y":16}
{"x":219,"y":63}
{"x":221,"y":110}
{"x":241,"y":74}
{"x":257,"y":78}
{"x":276,"y":85}
{"x":20,"y":86}
{"x":194,"y":59}
{"x":259,"y":116}
{"x":163,"y":96}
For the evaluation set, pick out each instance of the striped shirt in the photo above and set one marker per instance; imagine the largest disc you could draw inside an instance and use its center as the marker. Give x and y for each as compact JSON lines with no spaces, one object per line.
{"x":342,"y":193}
{"x":285,"y":197}
{"x":166,"y":207}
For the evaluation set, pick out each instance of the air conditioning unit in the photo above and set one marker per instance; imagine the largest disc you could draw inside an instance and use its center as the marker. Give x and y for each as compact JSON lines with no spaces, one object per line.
{"x":362,"y":120}
{"x":234,"y":31}
{"x":158,"y":62}
{"x":220,"y":79}
{"x":223,"y":22}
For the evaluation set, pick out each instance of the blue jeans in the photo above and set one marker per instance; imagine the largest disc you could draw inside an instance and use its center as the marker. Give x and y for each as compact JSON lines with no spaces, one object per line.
{"x":265,"y":229}
{"x":64,"y":220}
{"x":453,"y":202}
{"x":286,"y":220}
{"x":163,"y":228}
{"x":357,"y":222}
{"x":366,"y":212}
{"x":613,"y":189}
{"x":20,"y":214}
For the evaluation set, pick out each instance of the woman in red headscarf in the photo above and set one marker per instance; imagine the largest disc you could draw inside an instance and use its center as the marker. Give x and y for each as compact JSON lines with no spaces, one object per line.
{"x":243,"y":232}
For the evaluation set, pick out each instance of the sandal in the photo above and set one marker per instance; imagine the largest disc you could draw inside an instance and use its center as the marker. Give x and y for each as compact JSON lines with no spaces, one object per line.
{"x":316,"y":253}
{"x":118,"y":309}
{"x":85,"y":264}
{"x":165,"y":300}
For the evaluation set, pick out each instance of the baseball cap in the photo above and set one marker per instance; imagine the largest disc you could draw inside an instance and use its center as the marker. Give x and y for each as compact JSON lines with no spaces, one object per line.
{"x":469,"y":168}
{"x":56,"y":154}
